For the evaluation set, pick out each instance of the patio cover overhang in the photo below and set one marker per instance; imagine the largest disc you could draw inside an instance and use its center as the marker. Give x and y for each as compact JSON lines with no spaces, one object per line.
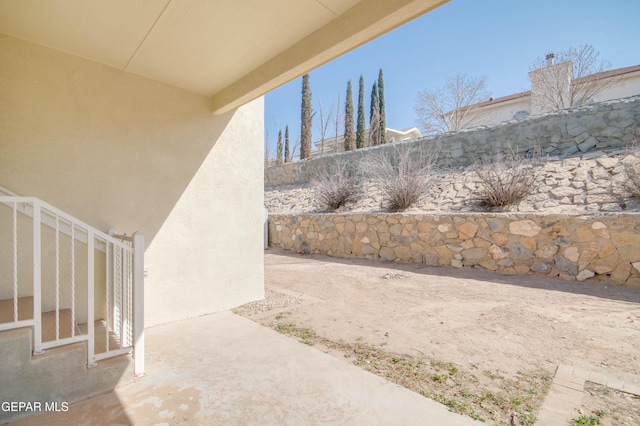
{"x":233,"y":51}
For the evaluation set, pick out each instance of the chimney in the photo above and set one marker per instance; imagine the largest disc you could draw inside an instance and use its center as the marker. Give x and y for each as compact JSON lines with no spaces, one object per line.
{"x":551,"y":59}
{"x":550,"y":86}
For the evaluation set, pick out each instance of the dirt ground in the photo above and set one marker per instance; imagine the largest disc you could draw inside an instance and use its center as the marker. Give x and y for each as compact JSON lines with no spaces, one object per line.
{"x":611,"y":407}
{"x":482,"y":324}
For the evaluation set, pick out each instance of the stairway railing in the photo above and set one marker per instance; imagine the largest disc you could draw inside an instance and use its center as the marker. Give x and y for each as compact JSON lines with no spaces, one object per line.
{"x":69,"y":267}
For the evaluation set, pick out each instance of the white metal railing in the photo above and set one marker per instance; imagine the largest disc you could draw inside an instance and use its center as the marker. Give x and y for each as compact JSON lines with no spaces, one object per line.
{"x":66,"y":265}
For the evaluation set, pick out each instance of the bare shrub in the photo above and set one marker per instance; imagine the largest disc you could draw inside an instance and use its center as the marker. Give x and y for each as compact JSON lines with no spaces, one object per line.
{"x":337,"y":187}
{"x":506,"y":179}
{"x":631,"y":165}
{"x":404,"y":177}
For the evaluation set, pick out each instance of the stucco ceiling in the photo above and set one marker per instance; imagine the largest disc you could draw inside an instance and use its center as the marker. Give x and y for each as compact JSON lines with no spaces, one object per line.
{"x":230,"y":50}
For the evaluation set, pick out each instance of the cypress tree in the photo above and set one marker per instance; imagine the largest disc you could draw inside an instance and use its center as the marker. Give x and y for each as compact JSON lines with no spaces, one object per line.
{"x":383,"y":109}
{"x":279,"y":149}
{"x":306,"y":119}
{"x":349,"y":131}
{"x":361,"y":125}
{"x":374,"y":117}
{"x":286,"y":144}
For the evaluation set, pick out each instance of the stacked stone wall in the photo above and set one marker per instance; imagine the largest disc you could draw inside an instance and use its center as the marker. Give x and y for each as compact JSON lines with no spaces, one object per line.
{"x":602,"y":248}
{"x":592,"y":183}
{"x":603,"y":126}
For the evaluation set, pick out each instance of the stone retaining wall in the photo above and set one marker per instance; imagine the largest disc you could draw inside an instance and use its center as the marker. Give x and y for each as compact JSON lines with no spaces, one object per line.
{"x":603,"y":248}
{"x":592,"y":183}
{"x":600,"y":127}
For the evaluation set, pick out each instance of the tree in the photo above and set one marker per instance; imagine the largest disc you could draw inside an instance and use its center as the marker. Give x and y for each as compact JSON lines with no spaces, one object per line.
{"x":287,"y":154}
{"x":324,"y":125}
{"x":361,"y":125}
{"x":349,"y":131}
{"x":565,"y":86}
{"x":267,"y":150}
{"x":383,"y":109}
{"x":295,"y":148}
{"x":453,"y":107}
{"x":374,"y":117}
{"x":336,"y":123}
{"x":306,"y":119}
{"x":279,"y":149}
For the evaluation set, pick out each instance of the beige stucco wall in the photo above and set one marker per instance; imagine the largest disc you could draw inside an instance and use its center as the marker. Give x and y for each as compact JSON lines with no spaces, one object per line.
{"x":124,"y":152}
{"x":503,"y":111}
{"x":626,"y":85}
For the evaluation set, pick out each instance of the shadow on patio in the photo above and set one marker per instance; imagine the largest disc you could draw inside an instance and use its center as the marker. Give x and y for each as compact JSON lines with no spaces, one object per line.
{"x":225,"y":369}
{"x":589,"y":288}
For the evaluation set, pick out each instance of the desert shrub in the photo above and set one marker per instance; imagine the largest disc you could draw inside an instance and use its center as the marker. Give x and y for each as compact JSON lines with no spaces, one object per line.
{"x":337,"y":187}
{"x":404,"y":177}
{"x":506,"y":179}
{"x":631,"y":165}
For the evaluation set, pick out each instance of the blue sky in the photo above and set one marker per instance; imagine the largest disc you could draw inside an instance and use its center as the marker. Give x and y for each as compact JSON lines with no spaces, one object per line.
{"x":496,"y":39}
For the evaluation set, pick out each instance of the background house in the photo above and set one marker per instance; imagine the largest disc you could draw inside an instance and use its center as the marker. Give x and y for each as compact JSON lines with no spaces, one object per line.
{"x":618,"y":83}
{"x":333,"y":145}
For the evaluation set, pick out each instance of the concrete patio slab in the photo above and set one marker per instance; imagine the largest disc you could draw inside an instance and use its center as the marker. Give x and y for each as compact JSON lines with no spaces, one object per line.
{"x":225,"y":369}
